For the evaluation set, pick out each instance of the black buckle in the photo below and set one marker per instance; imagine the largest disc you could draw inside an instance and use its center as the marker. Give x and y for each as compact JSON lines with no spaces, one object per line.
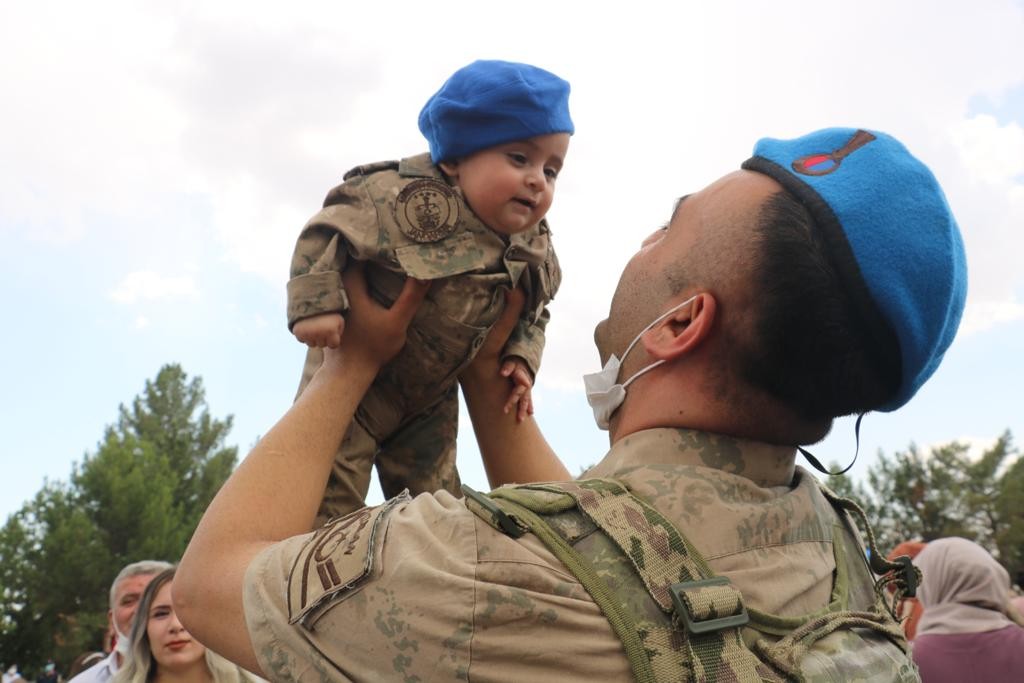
{"x":707,"y":625}
{"x":507,"y":524}
{"x":909,"y":575}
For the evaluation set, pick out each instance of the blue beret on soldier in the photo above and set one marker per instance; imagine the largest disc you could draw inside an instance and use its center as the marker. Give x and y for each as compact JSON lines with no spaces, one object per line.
{"x":890,"y":235}
{"x":490,"y":103}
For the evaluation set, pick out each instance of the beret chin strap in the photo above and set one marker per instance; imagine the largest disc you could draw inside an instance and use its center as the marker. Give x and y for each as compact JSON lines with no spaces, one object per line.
{"x":816,"y":464}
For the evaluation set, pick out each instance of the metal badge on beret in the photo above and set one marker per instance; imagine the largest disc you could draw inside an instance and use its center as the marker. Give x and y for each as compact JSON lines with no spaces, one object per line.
{"x":427,"y":210}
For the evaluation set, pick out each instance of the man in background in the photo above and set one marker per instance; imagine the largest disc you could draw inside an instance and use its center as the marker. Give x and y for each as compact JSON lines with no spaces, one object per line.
{"x":125,"y":592}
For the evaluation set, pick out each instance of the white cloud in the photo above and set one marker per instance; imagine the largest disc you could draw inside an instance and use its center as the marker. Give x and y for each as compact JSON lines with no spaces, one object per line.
{"x":984,"y":315}
{"x":145,"y":285}
{"x":992,"y":153}
{"x":141,"y":322}
{"x":131,"y":124}
{"x":255,"y":111}
{"x":987,"y":194}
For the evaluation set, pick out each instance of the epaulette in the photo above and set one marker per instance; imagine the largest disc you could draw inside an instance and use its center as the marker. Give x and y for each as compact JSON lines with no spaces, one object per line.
{"x":367,"y":169}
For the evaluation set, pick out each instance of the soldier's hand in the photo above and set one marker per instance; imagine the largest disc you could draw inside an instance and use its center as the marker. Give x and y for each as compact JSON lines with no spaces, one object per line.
{"x":520,"y":396}
{"x":376,"y":334}
{"x":490,"y":352}
{"x":320,"y":331}
{"x":486,"y":365}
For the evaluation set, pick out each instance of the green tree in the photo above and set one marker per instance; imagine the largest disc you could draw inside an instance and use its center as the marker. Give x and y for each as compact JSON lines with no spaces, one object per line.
{"x":1009,"y":505}
{"x":139,"y":496}
{"x":919,"y":496}
{"x":916,"y":496}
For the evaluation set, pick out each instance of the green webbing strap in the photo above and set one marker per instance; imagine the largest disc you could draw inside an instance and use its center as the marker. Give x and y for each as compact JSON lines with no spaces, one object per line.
{"x":659,"y":553}
{"x":621,"y":621}
{"x":786,"y":654}
{"x":676,"y":576}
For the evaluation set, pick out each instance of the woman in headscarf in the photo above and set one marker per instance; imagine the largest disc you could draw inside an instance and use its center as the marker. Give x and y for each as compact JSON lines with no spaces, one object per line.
{"x":964,"y":633}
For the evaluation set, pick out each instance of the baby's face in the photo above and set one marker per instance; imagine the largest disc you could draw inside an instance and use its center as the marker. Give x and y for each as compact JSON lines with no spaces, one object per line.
{"x":511,"y":186}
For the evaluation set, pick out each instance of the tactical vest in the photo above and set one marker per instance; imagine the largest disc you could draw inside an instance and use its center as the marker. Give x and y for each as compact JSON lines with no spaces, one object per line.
{"x":676,"y":619}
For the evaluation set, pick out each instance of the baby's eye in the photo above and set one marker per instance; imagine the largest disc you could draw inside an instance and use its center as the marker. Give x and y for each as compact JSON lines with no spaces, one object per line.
{"x":517,"y":158}
{"x":551,"y":173}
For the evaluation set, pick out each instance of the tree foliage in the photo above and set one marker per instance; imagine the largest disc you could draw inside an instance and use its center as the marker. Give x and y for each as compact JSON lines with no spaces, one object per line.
{"x":139,"y":496}
{"x":912,"y":495}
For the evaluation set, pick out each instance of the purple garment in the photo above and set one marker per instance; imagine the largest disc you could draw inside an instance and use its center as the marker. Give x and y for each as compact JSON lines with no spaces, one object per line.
{"x":990,"y":656}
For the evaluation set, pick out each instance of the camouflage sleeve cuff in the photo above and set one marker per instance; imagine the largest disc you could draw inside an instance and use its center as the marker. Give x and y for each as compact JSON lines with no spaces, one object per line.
{"x":315,"y":293}
{"x":526,"y":342}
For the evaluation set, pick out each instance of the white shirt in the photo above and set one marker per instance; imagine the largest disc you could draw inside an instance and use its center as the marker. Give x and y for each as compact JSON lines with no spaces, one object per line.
{"x":101,"y":672}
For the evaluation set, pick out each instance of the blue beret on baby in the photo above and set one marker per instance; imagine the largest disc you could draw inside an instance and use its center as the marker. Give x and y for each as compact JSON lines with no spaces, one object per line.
{"x":490,"y":103}
{"x":889,"y":233}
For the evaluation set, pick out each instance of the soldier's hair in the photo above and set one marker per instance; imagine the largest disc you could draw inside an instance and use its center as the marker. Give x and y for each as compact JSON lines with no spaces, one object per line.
{"x":142,"y":568}
{"x":806,"y":347}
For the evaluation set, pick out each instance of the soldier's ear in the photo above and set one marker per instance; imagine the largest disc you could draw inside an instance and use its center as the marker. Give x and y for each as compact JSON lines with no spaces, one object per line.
{"x":683,"y":331}
{"x":450,"y":168}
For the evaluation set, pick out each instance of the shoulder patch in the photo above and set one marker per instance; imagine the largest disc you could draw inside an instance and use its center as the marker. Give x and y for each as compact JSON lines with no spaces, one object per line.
{"x":427,"y":210}
{"x":367,"y":169}
{"x":336,"y":561}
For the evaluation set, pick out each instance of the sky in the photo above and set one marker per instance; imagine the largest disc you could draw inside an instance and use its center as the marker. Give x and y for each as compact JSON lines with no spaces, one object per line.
{"x":157,"y":161}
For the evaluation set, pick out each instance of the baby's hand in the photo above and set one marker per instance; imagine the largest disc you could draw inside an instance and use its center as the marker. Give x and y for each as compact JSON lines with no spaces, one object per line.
{"x":320,"y":331}
{"x":522,"y":381}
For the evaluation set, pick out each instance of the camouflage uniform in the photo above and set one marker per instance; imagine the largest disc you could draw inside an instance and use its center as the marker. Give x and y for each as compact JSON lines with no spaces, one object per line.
{"x":426,"y":590}
{"x":403,"y":218}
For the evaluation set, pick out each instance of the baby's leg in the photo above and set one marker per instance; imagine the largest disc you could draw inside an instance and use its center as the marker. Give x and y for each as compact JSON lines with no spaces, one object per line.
{"x":350,"y":475}
{"x":420,"y":456}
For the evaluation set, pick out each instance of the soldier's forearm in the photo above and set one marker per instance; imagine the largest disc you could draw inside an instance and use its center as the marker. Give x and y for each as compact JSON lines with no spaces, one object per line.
{"x":512,"y":452}
{"x":273,"y":495}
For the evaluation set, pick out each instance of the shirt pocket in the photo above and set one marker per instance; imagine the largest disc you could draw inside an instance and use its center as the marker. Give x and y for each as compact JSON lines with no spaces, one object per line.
{"x":453,"y":256}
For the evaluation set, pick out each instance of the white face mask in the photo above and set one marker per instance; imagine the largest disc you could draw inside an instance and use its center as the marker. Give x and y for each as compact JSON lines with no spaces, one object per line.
{"x":604,"y":394}
{"x":123,"y":646}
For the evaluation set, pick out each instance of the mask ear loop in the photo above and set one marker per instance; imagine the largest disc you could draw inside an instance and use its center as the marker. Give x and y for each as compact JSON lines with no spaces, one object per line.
{"x":646,"y":329}
{"x":817,"y":465}
{"x":642,"y":333}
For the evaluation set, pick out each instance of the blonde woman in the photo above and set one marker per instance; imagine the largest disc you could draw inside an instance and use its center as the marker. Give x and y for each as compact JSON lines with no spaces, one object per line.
{"x":162,"y":651}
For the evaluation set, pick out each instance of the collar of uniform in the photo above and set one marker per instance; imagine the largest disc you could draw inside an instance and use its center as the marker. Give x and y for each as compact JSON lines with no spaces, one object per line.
{"x":419,"y":166}
{"x":767,"y":465}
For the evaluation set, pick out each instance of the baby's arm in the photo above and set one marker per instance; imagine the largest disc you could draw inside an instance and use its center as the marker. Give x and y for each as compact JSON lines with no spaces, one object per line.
{"x":343,"y":231}
{"x":520,"y":361}
{"x":320,"y":331}
{"x":315,"y":289}
{"x":520,"y":397}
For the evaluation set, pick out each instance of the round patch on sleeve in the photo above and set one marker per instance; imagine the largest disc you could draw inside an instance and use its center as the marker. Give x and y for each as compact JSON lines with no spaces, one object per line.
{"x":427,"y":210}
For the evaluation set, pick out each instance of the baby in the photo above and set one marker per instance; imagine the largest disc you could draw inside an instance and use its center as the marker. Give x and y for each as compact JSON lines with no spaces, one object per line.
{"x":468,"y":216}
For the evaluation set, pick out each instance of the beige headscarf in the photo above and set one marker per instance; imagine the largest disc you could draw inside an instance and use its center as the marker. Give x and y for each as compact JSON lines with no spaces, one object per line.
{"x":963,"y":589}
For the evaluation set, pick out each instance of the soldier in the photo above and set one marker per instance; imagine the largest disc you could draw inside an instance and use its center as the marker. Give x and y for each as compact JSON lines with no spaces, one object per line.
{"x":828,"y":277}
{"x":469,"y":217}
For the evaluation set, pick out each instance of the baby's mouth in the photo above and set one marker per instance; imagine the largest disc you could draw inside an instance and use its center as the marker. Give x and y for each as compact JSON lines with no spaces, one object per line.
{"x":525,"y":202}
